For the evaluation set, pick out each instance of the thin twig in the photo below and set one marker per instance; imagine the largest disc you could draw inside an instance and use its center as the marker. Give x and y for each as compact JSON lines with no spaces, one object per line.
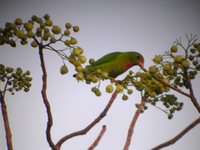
{"x":6,"y":122}
{"x":177,"y":137}
{"x":91,"y":125}
{"x":45,"y":100}
{"x":133,"y":122}
{"x":96,"y":142}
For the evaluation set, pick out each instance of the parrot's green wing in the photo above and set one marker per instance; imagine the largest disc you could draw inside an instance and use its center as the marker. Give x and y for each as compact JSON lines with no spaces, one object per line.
{"x":106,"y":59}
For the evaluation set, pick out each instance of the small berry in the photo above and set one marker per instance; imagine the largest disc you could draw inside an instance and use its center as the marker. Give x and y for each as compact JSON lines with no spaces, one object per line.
{"x":185,"y":63}
{"x":119,"y":88}
{"x":109,"y":88}
{"x":68,"y":25}
{"x":174,"y":49}
{"x":34,"y":44}
{"x":64,"y":70}
{"x":76,"y":28}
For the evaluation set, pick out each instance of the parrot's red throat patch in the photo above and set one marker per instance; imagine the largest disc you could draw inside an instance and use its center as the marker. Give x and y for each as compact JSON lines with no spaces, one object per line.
{"x":129,"y":65}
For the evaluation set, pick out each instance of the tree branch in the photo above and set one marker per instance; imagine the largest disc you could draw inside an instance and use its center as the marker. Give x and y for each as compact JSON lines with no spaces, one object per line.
{"x":91,"y":125}
{"x":132,"y":125}
{"x":192,"y":97}
{"x":6,"y":122}
{"x":96,"y":142}
{"x":177,"y":137}
{"x":45,"y":100}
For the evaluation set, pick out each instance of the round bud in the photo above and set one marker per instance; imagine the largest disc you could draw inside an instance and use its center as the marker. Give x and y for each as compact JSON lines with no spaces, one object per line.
{"x":53,"y":40}
{"x":178,"y":58}
{"x":167,"y":67}
{"x":34,"y":18}
{"x":18,"y":21}
{"x":68,"y":25}
{"x":49,"y":22}
{"x":153,"y":69}
{"x":76,"y":52}
{"x":191,"y":58}
{"x":185,"y":63}
{"x":195,"y":62}
{"x":82,"y":59}
{"x":170,"y":116}
{"x":34,"y":44}
{"x":67,"y":33}
{"x":124,"y":97}
{"x":28,"y":26}
{"x":46,"y":17}
{"x":174,"y":49}
{"x":192,"y":50}
{"x":157,"y":59}
{"x":76,"y":28}
{"x":79,"y":76}
{"x":79,"y":68}
{"x":9,"y":70}
{"x":119,"y":88}
{"x":20,"y":34}
{"x":95,"y":79}
{"x":68,"y":42}
{"x":109,"y":88}
{"x":29,"y":34}
{"x":64,"y":70}
{"x":129,"y":91}
{"x":56,"y":30}
{"x":73,"y":41}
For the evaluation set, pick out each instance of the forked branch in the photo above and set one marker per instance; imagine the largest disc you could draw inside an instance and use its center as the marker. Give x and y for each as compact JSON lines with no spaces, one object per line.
{"x":91,"y":125}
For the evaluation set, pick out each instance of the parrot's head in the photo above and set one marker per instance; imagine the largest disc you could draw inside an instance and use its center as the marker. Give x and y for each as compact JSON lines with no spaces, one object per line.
{"x":137,"y":59}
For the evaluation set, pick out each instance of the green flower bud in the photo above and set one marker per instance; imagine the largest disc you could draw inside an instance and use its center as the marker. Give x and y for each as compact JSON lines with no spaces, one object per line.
{"x":174,"y":49}
{"x":68,"y":25}
{"x":119,"y":88}
{"x":109,"y":88}
{"x":64,"y":70}
{"x":76,"y":28}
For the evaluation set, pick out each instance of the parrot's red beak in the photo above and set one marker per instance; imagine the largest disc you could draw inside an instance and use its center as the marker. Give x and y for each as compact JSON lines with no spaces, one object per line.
{"x":141,"y":63}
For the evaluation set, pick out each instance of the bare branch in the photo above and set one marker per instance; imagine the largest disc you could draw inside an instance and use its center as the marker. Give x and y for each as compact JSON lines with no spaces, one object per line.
{"x":45,"y":100}
{"x":91,"y":125}
{"x":96,"y":142}
{"x":132,"y":125}
{"x":177,"y":137}
{"x":6,"y":122}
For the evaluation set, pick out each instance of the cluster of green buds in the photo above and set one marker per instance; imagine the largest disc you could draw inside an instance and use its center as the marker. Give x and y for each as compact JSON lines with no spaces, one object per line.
{"x":179,"y":64}
{"x":39,"y":30}
{"x":42,"y":33}
{"x":14,"y":79}
{"x":169,"y":101}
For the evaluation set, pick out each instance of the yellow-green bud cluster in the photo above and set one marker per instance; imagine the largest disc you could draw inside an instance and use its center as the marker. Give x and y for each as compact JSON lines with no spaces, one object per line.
{"x":15,"y":79}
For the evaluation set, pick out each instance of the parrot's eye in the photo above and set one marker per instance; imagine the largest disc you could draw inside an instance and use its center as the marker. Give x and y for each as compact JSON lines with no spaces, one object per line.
{"x":138,"y":56}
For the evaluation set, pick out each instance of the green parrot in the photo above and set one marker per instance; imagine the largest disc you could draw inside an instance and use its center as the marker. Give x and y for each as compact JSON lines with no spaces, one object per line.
{"x":116,"y":63}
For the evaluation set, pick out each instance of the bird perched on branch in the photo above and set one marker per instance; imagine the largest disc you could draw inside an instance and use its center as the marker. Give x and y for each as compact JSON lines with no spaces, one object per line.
{"x":113,"y":64}
{"x":116,"y":63}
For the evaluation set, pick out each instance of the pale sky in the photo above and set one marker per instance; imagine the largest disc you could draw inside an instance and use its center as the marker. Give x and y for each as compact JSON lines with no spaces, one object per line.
{"x":149,"y":27}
